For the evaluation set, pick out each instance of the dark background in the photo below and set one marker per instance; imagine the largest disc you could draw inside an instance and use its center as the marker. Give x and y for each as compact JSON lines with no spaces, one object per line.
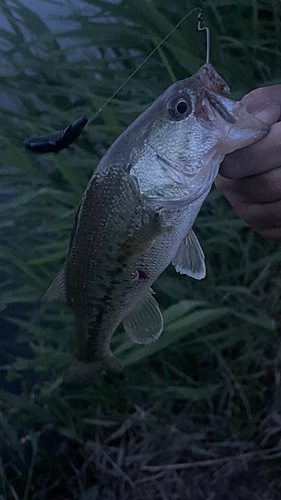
{"x":208,"y":389}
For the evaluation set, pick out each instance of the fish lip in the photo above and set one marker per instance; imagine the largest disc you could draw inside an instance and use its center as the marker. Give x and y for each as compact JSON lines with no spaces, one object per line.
{"x":210,"y":79}
{"x":221,"y":109}
{"x":208,"y":86}
{"x":210,"y":103}
{"x":209,"y":107}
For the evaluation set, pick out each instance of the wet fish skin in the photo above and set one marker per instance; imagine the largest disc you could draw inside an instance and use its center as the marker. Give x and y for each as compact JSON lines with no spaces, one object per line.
{"x":161,"y":168}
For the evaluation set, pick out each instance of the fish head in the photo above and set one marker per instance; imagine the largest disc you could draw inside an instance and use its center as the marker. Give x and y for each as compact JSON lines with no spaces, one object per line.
{"x":231,"y":123}
{"x":186,"y":133}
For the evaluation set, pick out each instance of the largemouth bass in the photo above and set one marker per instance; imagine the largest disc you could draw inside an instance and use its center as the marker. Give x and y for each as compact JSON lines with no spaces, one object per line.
{"x":137,"y":212}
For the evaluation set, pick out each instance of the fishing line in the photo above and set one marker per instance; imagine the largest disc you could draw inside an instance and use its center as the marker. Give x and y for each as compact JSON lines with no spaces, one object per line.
{"x":148,"y":57}
{"x":64,"y":138}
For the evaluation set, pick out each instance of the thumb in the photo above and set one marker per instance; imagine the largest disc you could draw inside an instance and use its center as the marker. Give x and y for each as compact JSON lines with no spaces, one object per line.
{"x":265,"y":103}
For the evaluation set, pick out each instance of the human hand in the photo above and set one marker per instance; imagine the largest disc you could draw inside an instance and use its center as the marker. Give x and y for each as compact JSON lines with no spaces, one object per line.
{"x":250,"y":178}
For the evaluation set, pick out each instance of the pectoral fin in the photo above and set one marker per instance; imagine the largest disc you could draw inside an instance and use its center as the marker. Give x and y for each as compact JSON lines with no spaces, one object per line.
{"x":190,"y":258}
{"x":57,"y":288}
{"x":145,"y":323}
{"x":141,"y":241}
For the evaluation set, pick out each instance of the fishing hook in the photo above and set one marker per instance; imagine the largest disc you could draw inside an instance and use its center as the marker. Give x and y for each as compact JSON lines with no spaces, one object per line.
{"x":201,"y":28}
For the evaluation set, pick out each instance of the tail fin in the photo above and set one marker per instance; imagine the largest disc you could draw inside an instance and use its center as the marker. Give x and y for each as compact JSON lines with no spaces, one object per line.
{"x":81,"y":373}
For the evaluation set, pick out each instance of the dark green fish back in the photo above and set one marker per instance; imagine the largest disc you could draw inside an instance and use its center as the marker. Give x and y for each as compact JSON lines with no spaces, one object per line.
{"x":108,"y":213}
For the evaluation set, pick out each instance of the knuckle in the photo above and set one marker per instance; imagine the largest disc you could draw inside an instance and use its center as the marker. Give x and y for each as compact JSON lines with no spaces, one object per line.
{"x":270,"y":234}
{"x":263,"y":93}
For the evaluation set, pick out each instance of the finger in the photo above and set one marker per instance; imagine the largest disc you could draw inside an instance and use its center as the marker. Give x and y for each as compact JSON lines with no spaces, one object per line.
{"x":262,"y":188}
{"x":273,"y":233}
{"x":265,"y":103}
{"x":262,"y":217}
{"x":260,"y":157}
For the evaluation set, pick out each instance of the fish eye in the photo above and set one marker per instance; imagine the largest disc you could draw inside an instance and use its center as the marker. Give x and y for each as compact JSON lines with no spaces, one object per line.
{"x":180,"y":107}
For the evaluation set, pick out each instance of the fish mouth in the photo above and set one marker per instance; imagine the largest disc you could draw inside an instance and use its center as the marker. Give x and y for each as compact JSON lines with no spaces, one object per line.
{"x":213,"y":106}
{"x":207,"y":86}
{"x":209,"y":78}
{"x":221,"y":109}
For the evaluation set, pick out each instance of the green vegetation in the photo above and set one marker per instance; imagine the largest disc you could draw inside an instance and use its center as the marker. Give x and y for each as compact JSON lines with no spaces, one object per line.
{"x":208,"y":389}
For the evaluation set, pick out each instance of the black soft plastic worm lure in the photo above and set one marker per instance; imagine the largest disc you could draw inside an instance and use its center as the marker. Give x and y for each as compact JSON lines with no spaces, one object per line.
{"x":59,"y":140}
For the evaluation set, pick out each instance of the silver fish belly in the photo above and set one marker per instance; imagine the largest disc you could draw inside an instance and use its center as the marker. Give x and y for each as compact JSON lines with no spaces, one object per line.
{"x":137,"y":213}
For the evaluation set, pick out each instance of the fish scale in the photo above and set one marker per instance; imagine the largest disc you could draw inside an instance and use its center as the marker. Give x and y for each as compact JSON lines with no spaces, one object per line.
{"x":137,"y":213}
{"x":91,"y":270}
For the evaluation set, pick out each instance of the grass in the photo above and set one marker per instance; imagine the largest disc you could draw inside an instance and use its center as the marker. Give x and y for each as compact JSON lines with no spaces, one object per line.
{"x":206,"y":391}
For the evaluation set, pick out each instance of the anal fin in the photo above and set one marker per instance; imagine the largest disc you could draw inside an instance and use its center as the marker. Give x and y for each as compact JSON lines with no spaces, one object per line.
{"x":190,"y":258}
{"x":145,"y":323}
